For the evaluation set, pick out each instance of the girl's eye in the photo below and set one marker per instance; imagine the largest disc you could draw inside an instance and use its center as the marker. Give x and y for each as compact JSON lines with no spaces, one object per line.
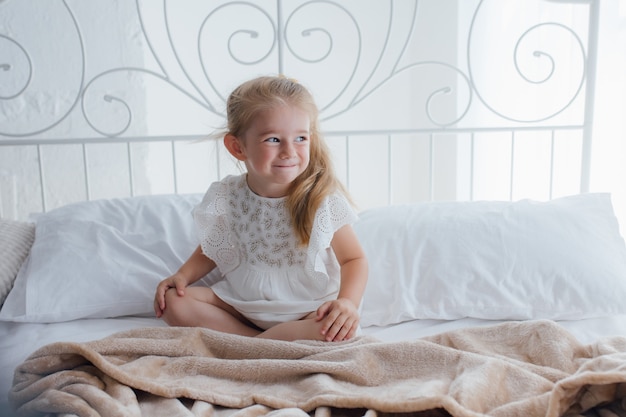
{"x":273,"y":140}
{"x":301,"y":139}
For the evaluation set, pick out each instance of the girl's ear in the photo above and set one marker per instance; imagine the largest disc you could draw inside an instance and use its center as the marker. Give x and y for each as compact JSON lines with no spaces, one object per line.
{"x":234,"y":147}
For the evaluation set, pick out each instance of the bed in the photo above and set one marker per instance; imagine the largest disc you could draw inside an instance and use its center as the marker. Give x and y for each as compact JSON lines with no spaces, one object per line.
{"x":494,"y":289}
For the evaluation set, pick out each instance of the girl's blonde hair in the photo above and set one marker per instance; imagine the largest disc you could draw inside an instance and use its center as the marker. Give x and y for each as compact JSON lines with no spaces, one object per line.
{"x":318,"y":180}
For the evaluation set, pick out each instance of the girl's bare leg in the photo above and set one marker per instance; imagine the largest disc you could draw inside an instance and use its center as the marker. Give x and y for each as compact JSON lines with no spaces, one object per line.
{"x":308,"y":328}
{"x":200,"y":307}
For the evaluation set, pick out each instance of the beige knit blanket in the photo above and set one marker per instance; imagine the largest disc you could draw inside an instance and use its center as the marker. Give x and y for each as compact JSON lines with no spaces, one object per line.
{"x":513,"y":369}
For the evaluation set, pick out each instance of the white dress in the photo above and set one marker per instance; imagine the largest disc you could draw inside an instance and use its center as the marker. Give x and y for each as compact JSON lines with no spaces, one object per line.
{"x":268,"y":277}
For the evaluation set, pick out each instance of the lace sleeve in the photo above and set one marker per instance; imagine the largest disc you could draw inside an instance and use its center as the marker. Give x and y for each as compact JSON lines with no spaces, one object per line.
{"x":214,"y":230}
{"x":332,"y":215}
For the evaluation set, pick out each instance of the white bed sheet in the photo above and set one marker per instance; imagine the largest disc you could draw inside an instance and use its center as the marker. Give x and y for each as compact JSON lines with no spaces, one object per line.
{"x":19,"y":340}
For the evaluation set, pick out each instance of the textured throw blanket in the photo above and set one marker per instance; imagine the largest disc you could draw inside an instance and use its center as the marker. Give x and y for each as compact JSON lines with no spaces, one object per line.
{"x":513,"y":369}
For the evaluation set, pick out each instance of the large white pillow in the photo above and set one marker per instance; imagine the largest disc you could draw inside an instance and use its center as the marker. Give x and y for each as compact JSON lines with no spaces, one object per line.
{"x":102,"y":258}
{"x":562,"y":259}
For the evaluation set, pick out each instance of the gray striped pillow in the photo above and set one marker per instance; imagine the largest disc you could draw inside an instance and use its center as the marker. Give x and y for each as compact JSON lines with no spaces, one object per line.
{"x":16,"y":238}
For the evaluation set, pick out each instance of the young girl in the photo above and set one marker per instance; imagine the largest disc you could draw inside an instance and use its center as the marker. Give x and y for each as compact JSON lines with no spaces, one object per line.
{"x":280,"y":234}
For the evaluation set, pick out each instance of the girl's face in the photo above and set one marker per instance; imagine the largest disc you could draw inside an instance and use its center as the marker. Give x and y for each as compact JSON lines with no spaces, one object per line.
{"x":275,"y":149}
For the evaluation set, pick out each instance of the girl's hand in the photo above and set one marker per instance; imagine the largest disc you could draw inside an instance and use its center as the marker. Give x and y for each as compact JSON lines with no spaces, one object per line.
{"x":176,"y":281}
{"x":340,"y":319}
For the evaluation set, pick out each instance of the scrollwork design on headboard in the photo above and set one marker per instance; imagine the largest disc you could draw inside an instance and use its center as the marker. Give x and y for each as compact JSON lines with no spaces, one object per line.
{"x":24,"y":93}
{"x":315,"y":46}
{"x":537,"y":54}
{"x":445,"y":92}
{"x":115,"y":101}
{"x":200,"y":53}
{"x":538,"y":66}
{"x":13,"y":69}
{"x":241,"y":47}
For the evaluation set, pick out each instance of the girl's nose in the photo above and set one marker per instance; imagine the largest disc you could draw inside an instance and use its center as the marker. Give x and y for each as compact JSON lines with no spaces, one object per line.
{"x":287,"y":150}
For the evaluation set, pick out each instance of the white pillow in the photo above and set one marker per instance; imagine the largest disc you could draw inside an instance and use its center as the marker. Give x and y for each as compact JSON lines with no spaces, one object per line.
{"x":16,"y":239}
{"x":102,"y":258}
{"x":562,"y":259}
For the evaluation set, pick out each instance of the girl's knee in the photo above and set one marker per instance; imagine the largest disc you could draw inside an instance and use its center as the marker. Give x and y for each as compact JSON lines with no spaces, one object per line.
{"x":174,"y":304}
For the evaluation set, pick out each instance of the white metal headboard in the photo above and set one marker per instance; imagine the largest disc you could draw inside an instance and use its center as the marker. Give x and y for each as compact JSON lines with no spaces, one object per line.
{"x":419,"y":99}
